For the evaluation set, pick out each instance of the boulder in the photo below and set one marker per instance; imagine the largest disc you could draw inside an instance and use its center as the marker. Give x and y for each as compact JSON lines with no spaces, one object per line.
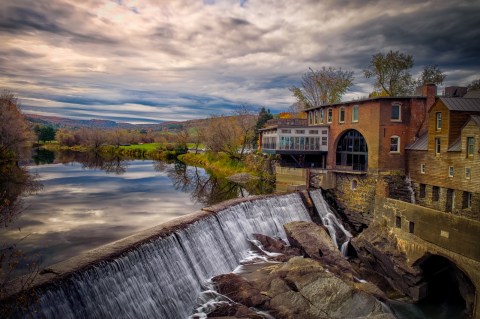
{"x":277,"y":245}
{"x":233,"y":310}
{"x":303,"y":288}
{"x":316,"y":243}
{"x":238,"y":289}
{"x":378,"y":254}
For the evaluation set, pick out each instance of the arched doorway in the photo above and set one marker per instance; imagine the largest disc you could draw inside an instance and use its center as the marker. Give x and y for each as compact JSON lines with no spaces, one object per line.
{"x":352,"y":151}
{"x":449,"y":290}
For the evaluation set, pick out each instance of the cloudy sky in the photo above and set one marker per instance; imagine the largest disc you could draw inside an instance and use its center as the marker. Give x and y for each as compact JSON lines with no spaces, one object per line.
{"x":151,"y":60}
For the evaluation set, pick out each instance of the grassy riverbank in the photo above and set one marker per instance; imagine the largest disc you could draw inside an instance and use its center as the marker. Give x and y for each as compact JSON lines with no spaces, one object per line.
{"x":221,"y":164}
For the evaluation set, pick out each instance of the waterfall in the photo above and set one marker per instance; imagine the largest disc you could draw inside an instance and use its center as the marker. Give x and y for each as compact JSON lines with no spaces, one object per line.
{"x":340,"y":236}
{"x":408,"y":181}
{"x":162,"y":278}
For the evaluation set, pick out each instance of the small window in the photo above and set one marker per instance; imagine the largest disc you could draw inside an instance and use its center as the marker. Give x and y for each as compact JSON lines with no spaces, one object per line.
{"x":468,"y":172}
{"x":341,"y":115}
{"x":324,"y":140}
{"x":354,"y":184}
{"x":287,"y":131}
{"x":411,"y":227}
{"x":470,"y":146}
{"x":466,"y":200}
{"x":322,"y":115}
{"x":438,"y":121}
{"x":355,"y":114}
{"x":313,"y":132}
{"x":450,"y":171}
{"x":437,"y":146}
{"x":324,"y":132}
{"x":394,"y":144}
{"x":422,"y":168}
{"x":316,"y":117}
{"x":435,"y":193}
{"x":300,"y":131}
{"x":330,"y":115}
{"x":423,"y":190}
{"x":396,"y":112}
{"x":398,"y":221}
{"x":310,"y":118}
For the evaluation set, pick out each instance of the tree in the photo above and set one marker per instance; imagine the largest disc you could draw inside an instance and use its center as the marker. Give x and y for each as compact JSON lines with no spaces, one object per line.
{"x":391,"y":73}
{"x":15,"y":133}
{"x":45,"y":133}
{"x":475,"y":85}
{"x":263,"y":117}
{"x":431,"y":74}
{"x":325,"y":86}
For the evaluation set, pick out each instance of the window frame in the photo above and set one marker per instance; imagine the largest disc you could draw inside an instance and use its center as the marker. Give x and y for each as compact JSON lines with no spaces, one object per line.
{"x":422,"y":168}
{"x":329,"y":115}
{"x":470,"y":152}
{"x":341,"y":115}
{"x":438,"y":145}
{"x":451,"y":171}
{"x":397,"y":150}
{"x":468,"y":172}
{"x":355,"y":112}
{"x":399,"y":106}
{"x":438,"y":121}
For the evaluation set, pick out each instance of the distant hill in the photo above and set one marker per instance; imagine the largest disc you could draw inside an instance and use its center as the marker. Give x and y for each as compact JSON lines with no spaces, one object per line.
{"x":62,"y":122}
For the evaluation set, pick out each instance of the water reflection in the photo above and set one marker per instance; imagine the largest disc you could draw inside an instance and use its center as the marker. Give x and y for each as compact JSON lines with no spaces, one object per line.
{"x":83,"y":206}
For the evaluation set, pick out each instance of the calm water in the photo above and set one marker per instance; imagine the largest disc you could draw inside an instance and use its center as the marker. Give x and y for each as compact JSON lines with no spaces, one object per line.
{"x":88,"y":202}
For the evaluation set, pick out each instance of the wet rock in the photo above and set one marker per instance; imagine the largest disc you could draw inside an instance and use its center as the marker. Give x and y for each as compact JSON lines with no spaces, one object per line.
{"x":377,"y":252}
{"x":277,"y":245}
{"x":303,"y":288}
{"x":316,"y":243}
{"x":239,"y":290}
{"x":233,"y":310}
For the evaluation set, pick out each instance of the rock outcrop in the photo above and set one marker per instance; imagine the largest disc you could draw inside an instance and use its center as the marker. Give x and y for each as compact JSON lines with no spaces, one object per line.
{"x":316,"y":243}
{"x":303,"y":288}
{"x":378,"y":255}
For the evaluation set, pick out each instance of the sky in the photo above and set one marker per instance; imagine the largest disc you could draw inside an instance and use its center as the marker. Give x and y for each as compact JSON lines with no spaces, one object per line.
{"x":145,"y":61}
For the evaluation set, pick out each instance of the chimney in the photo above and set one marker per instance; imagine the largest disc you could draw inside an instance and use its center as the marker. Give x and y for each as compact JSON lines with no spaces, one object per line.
{"x":455,"y":91}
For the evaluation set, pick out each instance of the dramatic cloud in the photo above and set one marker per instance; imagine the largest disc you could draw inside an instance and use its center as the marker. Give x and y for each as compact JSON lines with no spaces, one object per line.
{"x":145,"y":61}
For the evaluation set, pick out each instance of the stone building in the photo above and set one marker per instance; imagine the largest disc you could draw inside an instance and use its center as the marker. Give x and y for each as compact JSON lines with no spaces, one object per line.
{"x":444,"y":164}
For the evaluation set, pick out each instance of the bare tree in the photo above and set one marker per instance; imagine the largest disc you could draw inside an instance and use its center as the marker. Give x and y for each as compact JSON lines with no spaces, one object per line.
{"x":325,"y":86}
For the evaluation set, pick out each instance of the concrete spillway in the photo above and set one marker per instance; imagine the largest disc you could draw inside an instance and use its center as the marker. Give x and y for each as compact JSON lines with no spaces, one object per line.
{"x":158,"y":274}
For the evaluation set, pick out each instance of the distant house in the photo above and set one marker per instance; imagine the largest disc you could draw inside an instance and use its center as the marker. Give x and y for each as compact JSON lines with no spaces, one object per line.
{"x":444,"y":164}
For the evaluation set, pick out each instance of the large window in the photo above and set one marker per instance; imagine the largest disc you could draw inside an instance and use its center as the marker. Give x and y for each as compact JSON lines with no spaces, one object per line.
{"x":322,"y":115}
{"x":396,"y":112}
{"x":438,"y":121}
{"x":330,"y":115}
{"x":341,"y":115}
{"x":352,"y":151}
{"x":310,"y":118}
{"x":466,"y":200}
{"x":394,"y":144}
{"x":316,"y":118}
{"x":355,"y":114}
{"x":470,"y":146}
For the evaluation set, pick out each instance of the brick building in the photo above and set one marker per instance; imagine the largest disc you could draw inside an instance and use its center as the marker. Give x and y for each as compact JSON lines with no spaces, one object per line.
{"x":444,"y":164}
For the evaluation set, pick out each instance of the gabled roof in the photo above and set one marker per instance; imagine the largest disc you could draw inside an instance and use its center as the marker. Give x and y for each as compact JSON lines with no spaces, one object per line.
{"x":461,"y":104}
{"x":472,"y":94}
{"x":421,"y":144}
{"x":476,"y":119}
{"x":456,"y":146}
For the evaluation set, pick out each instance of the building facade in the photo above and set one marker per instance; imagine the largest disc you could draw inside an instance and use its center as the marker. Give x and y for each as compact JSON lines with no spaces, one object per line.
{"x":444,"y":164}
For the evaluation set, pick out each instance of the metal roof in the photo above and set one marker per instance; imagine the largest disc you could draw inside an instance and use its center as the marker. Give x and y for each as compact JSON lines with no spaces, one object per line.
{"x":421,"y":144}
{"x":476,"y":119}
{"x":461,"y":104}
{"x":472,"y":95}
{"x":456,"y":146}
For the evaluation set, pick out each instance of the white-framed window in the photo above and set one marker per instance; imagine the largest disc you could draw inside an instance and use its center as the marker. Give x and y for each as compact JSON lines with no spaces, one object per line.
{"x":355,"y":114}
{"x":322,"y":115}
{"x":450,"y":171}
{"x":396,"y":114}
{"x":394,"y":144}
{"x":313,"y":132}
{"x":422,"y":168}
{"x":300,"y":131}
{"x":341,"y":115}
{"x":286,"y":131}
{"x":310,"y":118}
{"x":329,"y":115}
{"x":437,"y":146}
{"x":468,"y":172}
{"x":438,"y":121}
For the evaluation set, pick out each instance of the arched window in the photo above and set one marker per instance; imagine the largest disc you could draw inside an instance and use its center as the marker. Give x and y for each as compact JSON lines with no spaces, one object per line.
{"x":352,"y":151}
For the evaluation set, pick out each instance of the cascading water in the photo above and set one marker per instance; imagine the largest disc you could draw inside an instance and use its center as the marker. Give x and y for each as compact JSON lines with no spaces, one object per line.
{"x":340,"y":236}
{"x":162,"y":278}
